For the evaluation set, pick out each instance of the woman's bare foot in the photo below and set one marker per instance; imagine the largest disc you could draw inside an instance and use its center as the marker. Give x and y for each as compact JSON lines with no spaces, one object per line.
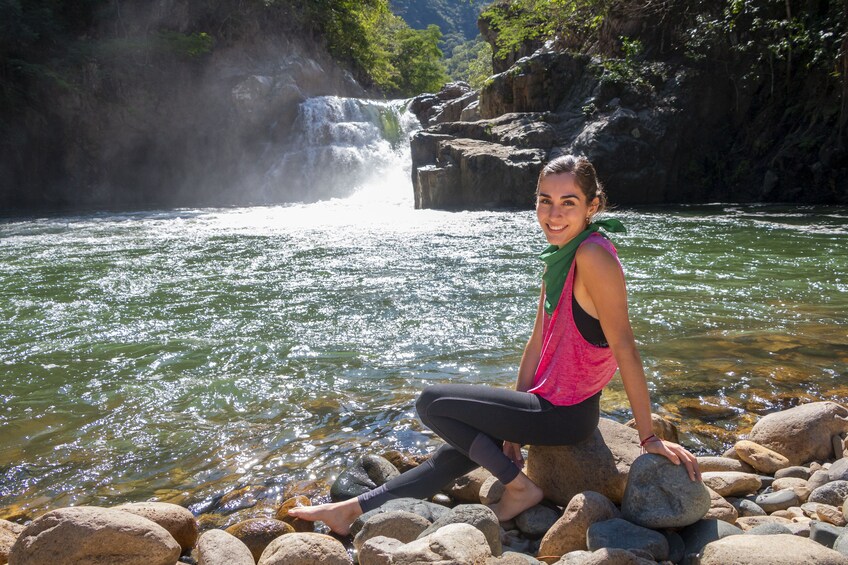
{"x":337,"y":515}
{"x":519,"y":494}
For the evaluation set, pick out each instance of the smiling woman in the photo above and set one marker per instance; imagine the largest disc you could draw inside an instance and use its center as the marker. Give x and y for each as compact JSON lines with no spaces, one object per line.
{"x":561,"y":375}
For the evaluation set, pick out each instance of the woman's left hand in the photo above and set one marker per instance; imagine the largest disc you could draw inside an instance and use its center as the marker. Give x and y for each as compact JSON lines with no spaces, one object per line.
{"x":677,"y":454}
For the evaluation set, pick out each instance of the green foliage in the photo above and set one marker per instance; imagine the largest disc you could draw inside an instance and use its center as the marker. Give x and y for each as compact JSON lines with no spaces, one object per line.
{"x":185,"y":44}
{"x":471,"y":61}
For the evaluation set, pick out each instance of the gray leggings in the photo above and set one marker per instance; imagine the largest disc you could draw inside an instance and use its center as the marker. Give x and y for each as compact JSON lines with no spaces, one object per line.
{"x":475,"y":420}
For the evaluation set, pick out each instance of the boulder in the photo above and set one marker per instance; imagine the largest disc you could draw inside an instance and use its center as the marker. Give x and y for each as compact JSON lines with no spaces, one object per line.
{"x":662,"y":428}
{"x":721,"y":464}
{"x":702,"y":532}
{"x":834,"y":493}
{"x":721,"y":509}
{"x":569,"y":532}
{"x":600,"y":463}
{"x":179,"y":522}
{"x":258,"y":533}
{"x":760,"y":457}
{"x":779,"y":549}
{"x":731,"y":483}
{"x":427,"y":510}
{"x":297,"y":524}
{"x":305,"y":548}
{"x":86,"y":535}
{"x":217,"y":547}
{"x":451,"y":544}
{"x":398,"y":524}
{"x":802,"y":433}
{"x":660,"y":494}
{"x":367,"y":473}
{"x":618,"y":533}
{"x":535,"y":521}
{"x":466,"y":489}
{"x":476,"y":515}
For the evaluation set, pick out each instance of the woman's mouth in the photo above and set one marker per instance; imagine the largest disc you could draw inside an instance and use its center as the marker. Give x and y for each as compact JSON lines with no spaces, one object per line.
{"x":556,"y":229}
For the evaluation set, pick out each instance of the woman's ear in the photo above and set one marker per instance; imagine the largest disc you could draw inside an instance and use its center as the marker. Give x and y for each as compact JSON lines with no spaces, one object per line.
{"x":593,"y":206}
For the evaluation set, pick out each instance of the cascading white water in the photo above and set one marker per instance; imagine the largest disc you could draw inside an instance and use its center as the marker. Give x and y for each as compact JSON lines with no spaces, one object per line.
{"x":342,"y":146}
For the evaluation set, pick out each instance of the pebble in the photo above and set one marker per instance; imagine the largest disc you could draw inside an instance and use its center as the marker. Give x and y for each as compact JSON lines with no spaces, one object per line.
{"x":780,"y":500}
{"x":746,"y":507}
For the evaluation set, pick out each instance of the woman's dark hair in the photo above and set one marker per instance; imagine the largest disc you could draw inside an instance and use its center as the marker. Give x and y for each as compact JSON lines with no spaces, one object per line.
{"x":584,"y":176}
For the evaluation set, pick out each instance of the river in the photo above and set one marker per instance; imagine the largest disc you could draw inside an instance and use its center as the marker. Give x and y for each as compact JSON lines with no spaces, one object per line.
{"x":180,"y":354}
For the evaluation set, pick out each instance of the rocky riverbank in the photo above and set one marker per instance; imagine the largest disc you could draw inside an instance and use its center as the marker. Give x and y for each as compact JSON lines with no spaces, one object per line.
{"x":779,"y":496}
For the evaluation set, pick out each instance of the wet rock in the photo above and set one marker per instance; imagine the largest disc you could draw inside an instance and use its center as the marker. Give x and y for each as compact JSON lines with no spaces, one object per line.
{"x":750,"y":522}
{"x":297,"y":524}
{"x":304,"y":548}
{"x":427,"y":510}
{"x":491,"y":491}
{"x":720,"y":508}
{"x":466,"y":489}
{"x":258,"y":533}
{"x":179,"y":522}
{"x":721,"y":464}
{"x":403,"y":462}
{"x":768,"y":529}
{"x":746,"y":507}
{"x":398,"y":524}
{"x":442,"y":499}
{"x":453,"y":543}
{"x":365,"y":474}
{"x":780,"y":500}
{"x":618,"y":533}
{"x":661,"y":427}
{"x":568,"y":533}
{"x":217,"y":547}
{"x":803,"y":433}
{"x":84,"y":534}
{"x":535,"y":521}
{"x":759,"y":457}
{"x":795,"y":472}
{"x":833,"y":493}
{"x":702,"y":532}
{"x":476,"y":515}
{"x":730,"y":483}
{"x":780,"y":549}
{"x":600,"y":463}
{"x":824,"y":533}
{"x":660,"y":494}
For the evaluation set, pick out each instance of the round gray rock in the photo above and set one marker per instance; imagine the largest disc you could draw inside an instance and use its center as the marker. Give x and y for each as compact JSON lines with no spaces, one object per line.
{"x":535,"y":521}
{"x":824,"y":533}
{"x":365,"y":474}
{"x":477,"y":515}
{"x":659,"y":494}
{"x":780,"y":549}
{"x":676,"y":547}
{"x":398,"y":524}
{"x":702,"y":532}
{"x":834,"y":493}
{"x":746,"y":507}
{"x":780,"y":500}
{"x":427,"y":510}
{"x":217,"y":547}
{"x":839,"y":470}
{"x":768,"y":530}
{"x":86,"y":534}
{"x":793,"y":472}
{"x":621,"y":534}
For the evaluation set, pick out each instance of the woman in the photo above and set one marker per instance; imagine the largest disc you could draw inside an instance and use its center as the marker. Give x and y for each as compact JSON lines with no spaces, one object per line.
{"x":581,"y":335}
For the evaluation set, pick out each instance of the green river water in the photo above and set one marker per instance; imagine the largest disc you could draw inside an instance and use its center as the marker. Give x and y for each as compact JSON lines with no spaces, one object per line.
{"x":178,"y":355}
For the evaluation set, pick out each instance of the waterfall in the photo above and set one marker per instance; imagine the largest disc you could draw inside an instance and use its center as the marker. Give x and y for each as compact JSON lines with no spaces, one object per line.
{"x":341,"y":146}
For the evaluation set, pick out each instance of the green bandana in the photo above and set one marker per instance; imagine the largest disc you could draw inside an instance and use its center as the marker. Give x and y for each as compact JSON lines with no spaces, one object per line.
{"x":558,"y":260}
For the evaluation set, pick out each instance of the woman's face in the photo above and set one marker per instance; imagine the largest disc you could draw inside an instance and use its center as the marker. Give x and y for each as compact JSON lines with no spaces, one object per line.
{"x":562,"y":208}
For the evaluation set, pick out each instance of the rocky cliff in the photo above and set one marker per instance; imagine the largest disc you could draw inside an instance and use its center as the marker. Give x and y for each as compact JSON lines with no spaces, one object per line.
{"x":665,"y":130}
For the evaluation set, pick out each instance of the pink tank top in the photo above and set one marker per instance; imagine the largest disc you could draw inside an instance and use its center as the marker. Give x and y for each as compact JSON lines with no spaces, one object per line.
{"x":570,"y":368}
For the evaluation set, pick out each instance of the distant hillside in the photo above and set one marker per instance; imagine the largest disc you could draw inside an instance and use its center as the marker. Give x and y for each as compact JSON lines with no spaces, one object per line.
{"x":454,"y":17}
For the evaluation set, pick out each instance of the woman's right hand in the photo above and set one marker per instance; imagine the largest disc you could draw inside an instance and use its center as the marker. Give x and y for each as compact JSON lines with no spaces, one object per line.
{"x":513,"y":451}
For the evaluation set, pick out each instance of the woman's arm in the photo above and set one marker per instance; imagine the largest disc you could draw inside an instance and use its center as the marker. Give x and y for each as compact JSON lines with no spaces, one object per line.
{"x":603,"y":280}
